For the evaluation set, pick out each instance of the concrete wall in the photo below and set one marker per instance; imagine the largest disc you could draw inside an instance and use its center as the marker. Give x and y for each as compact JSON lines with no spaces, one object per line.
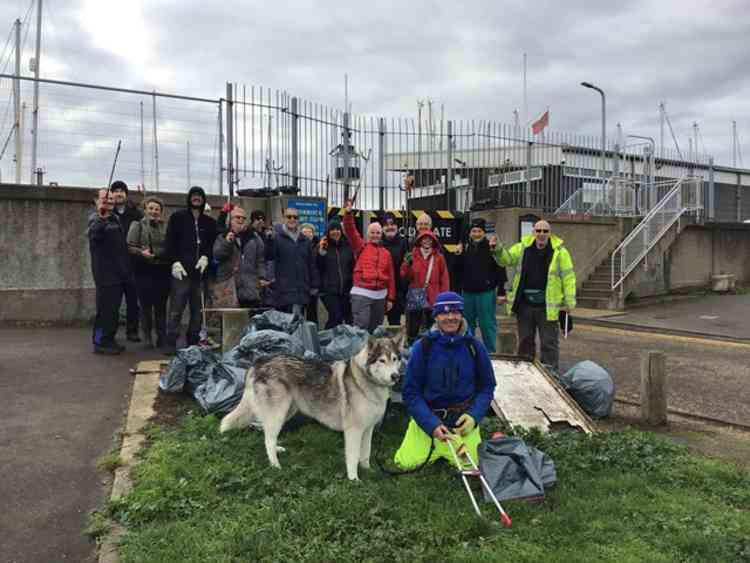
{"x":588,"y":241}
{"x":46,"y":270}
{"x":701,"y":251}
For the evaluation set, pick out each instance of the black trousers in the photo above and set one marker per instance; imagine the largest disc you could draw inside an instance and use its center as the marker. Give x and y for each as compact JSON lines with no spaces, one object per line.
{"x":131,"y":307}
{"x":416,"y":322}
{"x":394,"y":315}
{"x":530,"y":321}
{"x":153,"y":292}
{"x":312,"y":309}
{"x":183,"y":292}
{"x":108,"y":300}
{"x":339,"y":309}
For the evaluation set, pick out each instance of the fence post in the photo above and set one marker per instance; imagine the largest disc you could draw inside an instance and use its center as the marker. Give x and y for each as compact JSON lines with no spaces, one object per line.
{"x":347,"y":154}
{"x":711,"y":187}
{"x":739,"y":198}
{"x":449,"y":168}
{"x":653,"y":388}
{"x":295,"y":143}
{"x":381,"y":161}
{"x":230,"y":140}
{"x":527,"y":199}
{"x":221,"y":151}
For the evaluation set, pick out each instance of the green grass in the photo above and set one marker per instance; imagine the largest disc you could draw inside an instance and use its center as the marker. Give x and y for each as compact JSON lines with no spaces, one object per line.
{"x":630,"y":496}
{"x":109,"y":462}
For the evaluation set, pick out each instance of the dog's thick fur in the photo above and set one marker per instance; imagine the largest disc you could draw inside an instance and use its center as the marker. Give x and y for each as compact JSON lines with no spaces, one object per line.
{"x":348,"y":396}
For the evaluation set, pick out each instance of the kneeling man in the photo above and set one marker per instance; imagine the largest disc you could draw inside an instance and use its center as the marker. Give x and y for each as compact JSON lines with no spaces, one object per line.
{"x":448,"y":388}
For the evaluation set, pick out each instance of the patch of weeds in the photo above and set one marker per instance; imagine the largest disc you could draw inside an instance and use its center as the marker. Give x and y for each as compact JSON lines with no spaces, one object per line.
{"x":627,"y":496}
{"x":109,"y":462}
{"x":97,"y":525}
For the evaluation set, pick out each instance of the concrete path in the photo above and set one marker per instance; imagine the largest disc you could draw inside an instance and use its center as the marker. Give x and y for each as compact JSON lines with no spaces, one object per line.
{"x":720,"y":315}
{"x":60,"y":408}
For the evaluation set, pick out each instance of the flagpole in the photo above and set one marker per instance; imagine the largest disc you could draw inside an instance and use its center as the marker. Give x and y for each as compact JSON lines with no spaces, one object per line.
{"x":525,"y":96}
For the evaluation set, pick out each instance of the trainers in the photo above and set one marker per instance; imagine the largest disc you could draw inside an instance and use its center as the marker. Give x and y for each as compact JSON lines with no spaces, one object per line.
{"x":133,"y":337}
{"x":110,"y":350}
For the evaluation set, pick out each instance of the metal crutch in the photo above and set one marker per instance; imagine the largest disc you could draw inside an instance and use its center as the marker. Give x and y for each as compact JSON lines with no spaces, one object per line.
{"x":504,"y":518}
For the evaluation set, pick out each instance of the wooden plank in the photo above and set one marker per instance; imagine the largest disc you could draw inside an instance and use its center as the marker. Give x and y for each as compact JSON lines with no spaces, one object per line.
{"x":150,"y":366}
{"x":526,"y":395}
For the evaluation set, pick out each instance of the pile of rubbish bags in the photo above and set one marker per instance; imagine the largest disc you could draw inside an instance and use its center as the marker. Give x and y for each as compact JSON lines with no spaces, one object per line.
{"x":217,"y":381}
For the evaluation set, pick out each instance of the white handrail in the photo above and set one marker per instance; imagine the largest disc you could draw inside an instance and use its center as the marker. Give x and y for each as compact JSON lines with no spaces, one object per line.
{"x":652,"y":228}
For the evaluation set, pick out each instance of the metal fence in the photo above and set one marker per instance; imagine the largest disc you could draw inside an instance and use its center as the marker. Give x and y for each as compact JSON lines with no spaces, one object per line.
{"x":264,"y":140}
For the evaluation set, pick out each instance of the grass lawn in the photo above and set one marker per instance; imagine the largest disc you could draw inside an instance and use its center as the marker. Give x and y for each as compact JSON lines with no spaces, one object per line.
{"x":625,"y":496}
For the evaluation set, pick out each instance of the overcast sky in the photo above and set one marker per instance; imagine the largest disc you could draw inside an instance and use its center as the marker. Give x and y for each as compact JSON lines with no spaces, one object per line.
{"x":466,"y":55}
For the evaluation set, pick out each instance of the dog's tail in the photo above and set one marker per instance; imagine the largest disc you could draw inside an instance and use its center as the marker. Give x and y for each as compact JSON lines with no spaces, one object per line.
{"x":242,"y":415}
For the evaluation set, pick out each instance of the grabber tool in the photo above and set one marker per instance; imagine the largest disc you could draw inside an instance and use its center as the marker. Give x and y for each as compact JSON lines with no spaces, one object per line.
{"x":203,"y":334}
{"x":474,"y":472}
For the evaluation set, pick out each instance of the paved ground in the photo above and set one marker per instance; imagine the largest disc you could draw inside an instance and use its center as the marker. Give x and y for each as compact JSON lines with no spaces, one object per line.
{"x":722,"y":315}
{"x":61,"y":406}
{"x":709,"y":378}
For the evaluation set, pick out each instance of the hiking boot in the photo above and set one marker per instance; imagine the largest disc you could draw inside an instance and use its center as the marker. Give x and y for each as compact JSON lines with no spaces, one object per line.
{"x":133,"y":337}
{"x":119,"y":346}
{"x":108,"y":350}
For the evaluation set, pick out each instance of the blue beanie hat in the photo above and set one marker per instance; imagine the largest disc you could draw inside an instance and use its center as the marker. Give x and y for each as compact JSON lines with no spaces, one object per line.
{"x":446,"y":302}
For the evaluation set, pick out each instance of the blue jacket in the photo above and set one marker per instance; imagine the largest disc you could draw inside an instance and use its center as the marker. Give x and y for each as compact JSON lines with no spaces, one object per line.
{"x":452,"y":377}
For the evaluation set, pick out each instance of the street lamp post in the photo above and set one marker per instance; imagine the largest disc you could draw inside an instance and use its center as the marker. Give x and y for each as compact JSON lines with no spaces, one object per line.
{"x":604,"y":128}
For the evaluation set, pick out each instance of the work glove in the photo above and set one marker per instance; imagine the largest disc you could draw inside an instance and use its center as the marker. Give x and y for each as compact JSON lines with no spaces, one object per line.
{"x":178,"y":272}
{"x":313,"y":292}
{"x":465,"y":424}
{"x":408,"y":258}
{"x":201,"y":264}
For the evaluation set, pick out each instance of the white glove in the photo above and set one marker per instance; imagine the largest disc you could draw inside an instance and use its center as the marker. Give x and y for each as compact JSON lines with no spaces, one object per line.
{"x":178,"y":272}
{"x":201,"y":264}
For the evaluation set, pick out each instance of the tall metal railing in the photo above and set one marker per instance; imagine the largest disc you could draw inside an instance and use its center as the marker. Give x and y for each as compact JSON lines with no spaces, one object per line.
{"x":615,"y":198}
{"x":684,"y":197}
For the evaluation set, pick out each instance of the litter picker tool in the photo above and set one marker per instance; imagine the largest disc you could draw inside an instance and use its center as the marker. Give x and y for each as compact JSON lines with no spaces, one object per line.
{"x":114,"y":164}
{"x":504,"y":518}
{"x":203,"y":334}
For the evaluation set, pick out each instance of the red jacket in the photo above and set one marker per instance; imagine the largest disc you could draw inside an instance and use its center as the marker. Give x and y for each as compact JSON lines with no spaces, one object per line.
{"x":416,"y":272}
{"x":374,"y":267}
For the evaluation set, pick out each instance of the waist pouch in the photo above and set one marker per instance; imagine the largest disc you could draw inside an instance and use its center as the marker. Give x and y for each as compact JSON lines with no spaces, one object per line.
{"x":534,"y":296}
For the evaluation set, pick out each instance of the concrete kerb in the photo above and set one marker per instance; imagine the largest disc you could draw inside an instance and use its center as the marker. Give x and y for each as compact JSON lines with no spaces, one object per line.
{"x":141,"y":409}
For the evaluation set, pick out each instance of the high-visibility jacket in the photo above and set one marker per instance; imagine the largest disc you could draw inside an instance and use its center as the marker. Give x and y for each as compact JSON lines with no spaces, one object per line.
{"x":561,"y":278}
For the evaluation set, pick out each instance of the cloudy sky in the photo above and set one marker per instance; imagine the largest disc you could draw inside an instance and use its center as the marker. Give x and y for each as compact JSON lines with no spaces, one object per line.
{"x":466,"y":55}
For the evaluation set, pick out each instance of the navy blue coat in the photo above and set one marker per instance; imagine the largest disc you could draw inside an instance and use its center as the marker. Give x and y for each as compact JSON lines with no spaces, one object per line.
{"x":295,"y":271}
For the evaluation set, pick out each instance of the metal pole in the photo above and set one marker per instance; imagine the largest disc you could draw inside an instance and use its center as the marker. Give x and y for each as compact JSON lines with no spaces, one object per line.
{"x":221,"y":152}
{"x":381,"y":161}
{"x":734,"y":144}
{"x":230,"y":141}
{"x":711,"y":188}
{"x":604,"y":130}
{"x":529,"y":146}
{"x":295,"y":142}
{"x":189,"y":183}
{"x":156,"y":147}
{"x":35,"y":112}
{"x":244,"y":130}
{"x":347,"y":152}
{"x":661,"y":129}
{"x":17,"y":103}
{"x":449,"y":168}
{"x":143,"y":167}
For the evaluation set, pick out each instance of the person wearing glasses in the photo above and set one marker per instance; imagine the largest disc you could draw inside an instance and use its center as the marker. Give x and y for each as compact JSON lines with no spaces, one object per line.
{"x":543,"y":285}
{"x":295,"y":272}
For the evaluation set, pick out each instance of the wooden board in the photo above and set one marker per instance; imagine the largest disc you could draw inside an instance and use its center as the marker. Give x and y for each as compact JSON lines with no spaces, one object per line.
{"x":150,"y":366}
{"x":526,"y":395}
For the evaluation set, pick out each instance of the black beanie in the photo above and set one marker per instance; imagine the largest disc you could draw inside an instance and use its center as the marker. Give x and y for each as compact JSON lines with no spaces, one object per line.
{"x":478,"y":223}
{"x":118,"y":185}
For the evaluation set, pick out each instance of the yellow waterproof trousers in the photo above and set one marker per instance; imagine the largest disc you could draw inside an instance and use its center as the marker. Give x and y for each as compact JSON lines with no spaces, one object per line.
{"x":416,"y":446}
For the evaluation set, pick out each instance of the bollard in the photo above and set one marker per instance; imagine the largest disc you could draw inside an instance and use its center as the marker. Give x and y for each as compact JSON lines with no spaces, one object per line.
{"x":653,"y":388}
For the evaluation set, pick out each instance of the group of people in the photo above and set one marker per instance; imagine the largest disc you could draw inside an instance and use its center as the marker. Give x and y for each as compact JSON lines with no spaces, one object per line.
{"x":360,"y":280}
{"x":241,"y":261}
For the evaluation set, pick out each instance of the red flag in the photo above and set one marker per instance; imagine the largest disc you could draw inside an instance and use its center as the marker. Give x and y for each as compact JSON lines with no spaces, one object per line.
{"x":539,"y":125}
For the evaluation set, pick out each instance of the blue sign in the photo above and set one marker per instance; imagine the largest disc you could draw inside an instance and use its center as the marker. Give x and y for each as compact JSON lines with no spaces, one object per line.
{"x":310,"y":211}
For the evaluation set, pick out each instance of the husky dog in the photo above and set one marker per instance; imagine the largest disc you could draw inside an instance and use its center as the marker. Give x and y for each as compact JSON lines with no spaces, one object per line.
{"x":348,"y":396}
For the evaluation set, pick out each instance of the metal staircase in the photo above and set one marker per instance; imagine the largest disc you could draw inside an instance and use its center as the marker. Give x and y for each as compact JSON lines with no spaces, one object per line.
{"x":684,"y":198}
